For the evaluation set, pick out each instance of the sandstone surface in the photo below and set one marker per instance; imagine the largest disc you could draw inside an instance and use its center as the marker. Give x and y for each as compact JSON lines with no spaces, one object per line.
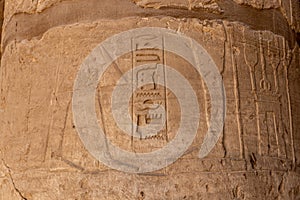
{"x":44,"y":44}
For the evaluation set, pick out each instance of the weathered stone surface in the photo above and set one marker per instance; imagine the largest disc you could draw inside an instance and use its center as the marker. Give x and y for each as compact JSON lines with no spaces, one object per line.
{"x":191,"y":5}
{"x":27,"y":6}
{"x":28,"y":25}
{"x":261,"y":4}
{"x":289,"y":8}
{"x":257,"y":157}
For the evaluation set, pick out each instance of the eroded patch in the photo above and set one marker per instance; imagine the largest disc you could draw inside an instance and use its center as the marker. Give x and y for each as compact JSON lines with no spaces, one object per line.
{"x":187,"y":4}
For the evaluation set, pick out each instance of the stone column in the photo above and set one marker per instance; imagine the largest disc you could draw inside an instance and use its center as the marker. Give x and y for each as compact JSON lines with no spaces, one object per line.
{"x":254,"y":45}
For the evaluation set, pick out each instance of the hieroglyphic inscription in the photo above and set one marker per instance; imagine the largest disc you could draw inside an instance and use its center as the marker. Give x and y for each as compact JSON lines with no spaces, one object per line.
{"x":251,"y":59}
{"x":275,"y":59}
{"x":286,"y":62}
{"x":264,"y":83}
{"x":272,"y":129}
{"x":269,"y":133}
{"x":268,"y":94}
{"x":235,"y":73}
{"x":147,"y":98}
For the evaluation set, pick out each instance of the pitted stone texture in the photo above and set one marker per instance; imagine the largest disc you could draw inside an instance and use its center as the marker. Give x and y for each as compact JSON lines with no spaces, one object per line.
{"x":186,"y":4}
{"x":8,"y":188}
{"x":289,"y":8}
{"x":47,"y":159}
{"x":261,"y":4}
{"x":29,"y":6}
{"x":26,"y":6}
{"x":20,"y":25}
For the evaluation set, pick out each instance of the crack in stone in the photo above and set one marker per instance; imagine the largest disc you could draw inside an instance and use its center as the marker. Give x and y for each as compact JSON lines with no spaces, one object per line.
{"x":13,"y":182}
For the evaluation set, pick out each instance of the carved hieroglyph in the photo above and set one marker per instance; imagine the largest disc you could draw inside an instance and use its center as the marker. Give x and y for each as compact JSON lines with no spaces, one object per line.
{"x":42,"y":156}
{"x":147,"y":123}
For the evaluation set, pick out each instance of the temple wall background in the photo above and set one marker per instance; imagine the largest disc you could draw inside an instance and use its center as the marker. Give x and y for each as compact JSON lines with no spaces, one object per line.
{"x":255,"y":45}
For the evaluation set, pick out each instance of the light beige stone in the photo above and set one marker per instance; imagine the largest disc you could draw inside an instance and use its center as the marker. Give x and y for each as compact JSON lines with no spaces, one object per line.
{"x":188,"y":4}
{"x":257,"y":156}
